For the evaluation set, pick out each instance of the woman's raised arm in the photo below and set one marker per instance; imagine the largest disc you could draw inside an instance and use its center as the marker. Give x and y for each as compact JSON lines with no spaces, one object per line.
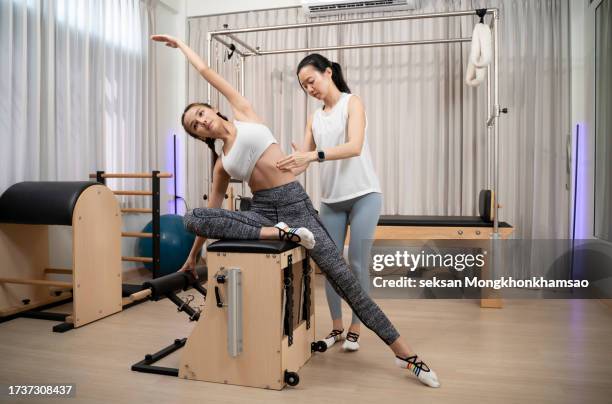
{"x":243,"y":111}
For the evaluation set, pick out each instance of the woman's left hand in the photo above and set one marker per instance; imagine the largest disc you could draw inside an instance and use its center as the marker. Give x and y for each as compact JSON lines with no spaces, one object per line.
{"x":170,"y":41}
{"x":297,"y":159}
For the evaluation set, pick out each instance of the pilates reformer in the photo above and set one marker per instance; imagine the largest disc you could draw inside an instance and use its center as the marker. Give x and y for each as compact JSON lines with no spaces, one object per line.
{"x":478,"y":229}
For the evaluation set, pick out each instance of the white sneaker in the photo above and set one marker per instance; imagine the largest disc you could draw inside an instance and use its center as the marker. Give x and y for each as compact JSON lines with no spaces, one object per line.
{"x":300,"y":235}
{"x":351,"y":342}
{"x":419,"y":369}
{"x":333,"y":337}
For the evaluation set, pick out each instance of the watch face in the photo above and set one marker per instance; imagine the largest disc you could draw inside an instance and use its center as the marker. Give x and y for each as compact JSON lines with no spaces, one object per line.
{"x":321,"y":155}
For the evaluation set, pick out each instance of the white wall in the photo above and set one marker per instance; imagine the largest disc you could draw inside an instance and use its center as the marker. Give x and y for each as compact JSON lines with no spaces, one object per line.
{"x":209,"y":7}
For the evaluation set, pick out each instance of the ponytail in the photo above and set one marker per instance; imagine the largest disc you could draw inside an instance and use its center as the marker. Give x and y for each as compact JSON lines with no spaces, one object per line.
{"x":320,"y":63}
{"x":338,"y":78}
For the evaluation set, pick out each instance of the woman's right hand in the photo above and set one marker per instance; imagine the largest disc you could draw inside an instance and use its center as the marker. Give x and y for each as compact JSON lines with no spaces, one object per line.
{"x":168,"y":39}
{"x":190,"y":267}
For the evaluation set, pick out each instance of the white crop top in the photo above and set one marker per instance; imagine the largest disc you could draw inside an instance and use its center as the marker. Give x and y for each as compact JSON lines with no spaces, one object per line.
{"x":344,"y":179}
{"x":252,"y":139}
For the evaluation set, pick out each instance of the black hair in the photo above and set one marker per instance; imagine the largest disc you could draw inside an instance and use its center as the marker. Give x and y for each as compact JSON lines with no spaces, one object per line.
{"x":320,"y":63}
{"x":210,"y":142}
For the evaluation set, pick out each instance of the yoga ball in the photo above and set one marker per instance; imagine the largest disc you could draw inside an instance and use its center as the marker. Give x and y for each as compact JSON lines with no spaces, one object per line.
{"x":174,"y":244}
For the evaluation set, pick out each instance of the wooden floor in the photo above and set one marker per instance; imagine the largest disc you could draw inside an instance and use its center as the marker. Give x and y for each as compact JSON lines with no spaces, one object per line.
{"x":535,"y":351}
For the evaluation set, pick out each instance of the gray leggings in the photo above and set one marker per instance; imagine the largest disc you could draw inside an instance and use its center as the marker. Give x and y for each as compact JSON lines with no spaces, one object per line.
{"x":290,"y":204}
{"x":362,"y":213}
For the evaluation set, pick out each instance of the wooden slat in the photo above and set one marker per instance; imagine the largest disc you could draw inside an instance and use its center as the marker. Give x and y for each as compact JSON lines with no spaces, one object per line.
{"x":36,"y":282}
{"x":137,"y":259}
{"x":131,"y":175}
{"x":140,"y":193}
{"x":61,"y":271}
{"x":136,"y":234}
{"x":136,"y":210}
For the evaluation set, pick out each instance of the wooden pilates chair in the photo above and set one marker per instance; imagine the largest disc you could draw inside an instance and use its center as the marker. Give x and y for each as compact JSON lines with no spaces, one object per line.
{"x":27,"y":209}
{"x":258,"y":330}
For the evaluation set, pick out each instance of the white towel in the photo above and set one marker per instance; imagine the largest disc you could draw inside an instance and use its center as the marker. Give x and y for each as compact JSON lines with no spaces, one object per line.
{"x":480,"y":55}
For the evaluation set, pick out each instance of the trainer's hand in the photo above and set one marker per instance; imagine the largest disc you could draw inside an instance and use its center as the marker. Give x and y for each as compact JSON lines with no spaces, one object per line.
{"x":168,"y":39}
{"x":190,"y":266}
{"x":296,"y":159}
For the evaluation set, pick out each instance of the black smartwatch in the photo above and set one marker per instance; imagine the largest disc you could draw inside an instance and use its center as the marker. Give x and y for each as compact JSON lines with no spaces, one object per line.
{"x":321,"y":156}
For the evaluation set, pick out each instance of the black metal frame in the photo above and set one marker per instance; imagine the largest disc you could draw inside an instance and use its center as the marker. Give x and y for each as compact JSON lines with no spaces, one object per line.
{"x":39,"y":314}
{"x":146,"y":365}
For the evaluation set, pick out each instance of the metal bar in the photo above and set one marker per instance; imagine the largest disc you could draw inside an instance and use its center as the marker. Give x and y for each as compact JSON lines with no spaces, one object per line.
{"x":242,"y":43}
{"x":146,"y":365}
{"x":488,"y":128}
{"x":155,"y":205}
{"x":44,"y":315}
{"x":496,"y":123}
{"x":210,"y":166}
{"x":174,"y":171}
{"x":227,"y":45}
{"x":362,"y":46}
{"x":242,"y":76}
{"x":208,"y":62}
{"x":346,"y":22}
{"x":234,"y":312}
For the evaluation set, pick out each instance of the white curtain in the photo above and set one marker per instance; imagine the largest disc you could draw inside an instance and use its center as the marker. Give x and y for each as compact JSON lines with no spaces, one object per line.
{"x":78,"y":91}
{"x":426,"y":128}
{"x":603,"y":116}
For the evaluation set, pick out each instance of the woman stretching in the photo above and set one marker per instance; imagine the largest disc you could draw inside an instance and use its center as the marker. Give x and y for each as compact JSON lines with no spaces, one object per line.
{"x":281,"y":209}
{"x":350,"y":193}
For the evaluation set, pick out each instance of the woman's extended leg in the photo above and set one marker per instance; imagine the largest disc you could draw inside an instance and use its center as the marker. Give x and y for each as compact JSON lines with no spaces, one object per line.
{"x":243,"y":225}
{"x":328,"y":258}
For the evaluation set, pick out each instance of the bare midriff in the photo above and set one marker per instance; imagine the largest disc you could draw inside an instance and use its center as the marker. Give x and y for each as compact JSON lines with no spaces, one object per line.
{"x":265,"y":175}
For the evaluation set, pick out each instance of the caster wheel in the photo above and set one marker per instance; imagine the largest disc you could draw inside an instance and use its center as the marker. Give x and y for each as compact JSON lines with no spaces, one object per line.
{"x":291,"y":378}
{"x":318,"y":346}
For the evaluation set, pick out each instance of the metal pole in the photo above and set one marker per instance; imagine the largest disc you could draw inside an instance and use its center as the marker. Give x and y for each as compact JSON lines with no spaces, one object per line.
{"x":496,"y":123}
{"x":227,"y":45}
{"x":209,"y":100}
{"x":488,"y":134}
{"x":241,"y":42}
{"x":242,"y":76}
{"x":242,"y":93}
{"x":345,"y":22}
{"x":156,"y":223}
{"x":361,"y":46}
{"x":208,"y":61}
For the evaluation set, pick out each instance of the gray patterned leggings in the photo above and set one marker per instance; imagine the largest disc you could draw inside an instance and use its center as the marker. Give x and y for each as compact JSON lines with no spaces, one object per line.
{"x":290,"y":204}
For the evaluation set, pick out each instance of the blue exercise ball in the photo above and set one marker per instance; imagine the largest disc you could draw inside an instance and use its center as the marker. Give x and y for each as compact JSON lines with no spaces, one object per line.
{"x":174,"y":244}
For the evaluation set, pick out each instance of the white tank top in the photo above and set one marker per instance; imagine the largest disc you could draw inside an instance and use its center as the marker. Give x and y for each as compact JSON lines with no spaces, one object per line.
{"x":344,"y":179}
{"x":252,"y":139}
